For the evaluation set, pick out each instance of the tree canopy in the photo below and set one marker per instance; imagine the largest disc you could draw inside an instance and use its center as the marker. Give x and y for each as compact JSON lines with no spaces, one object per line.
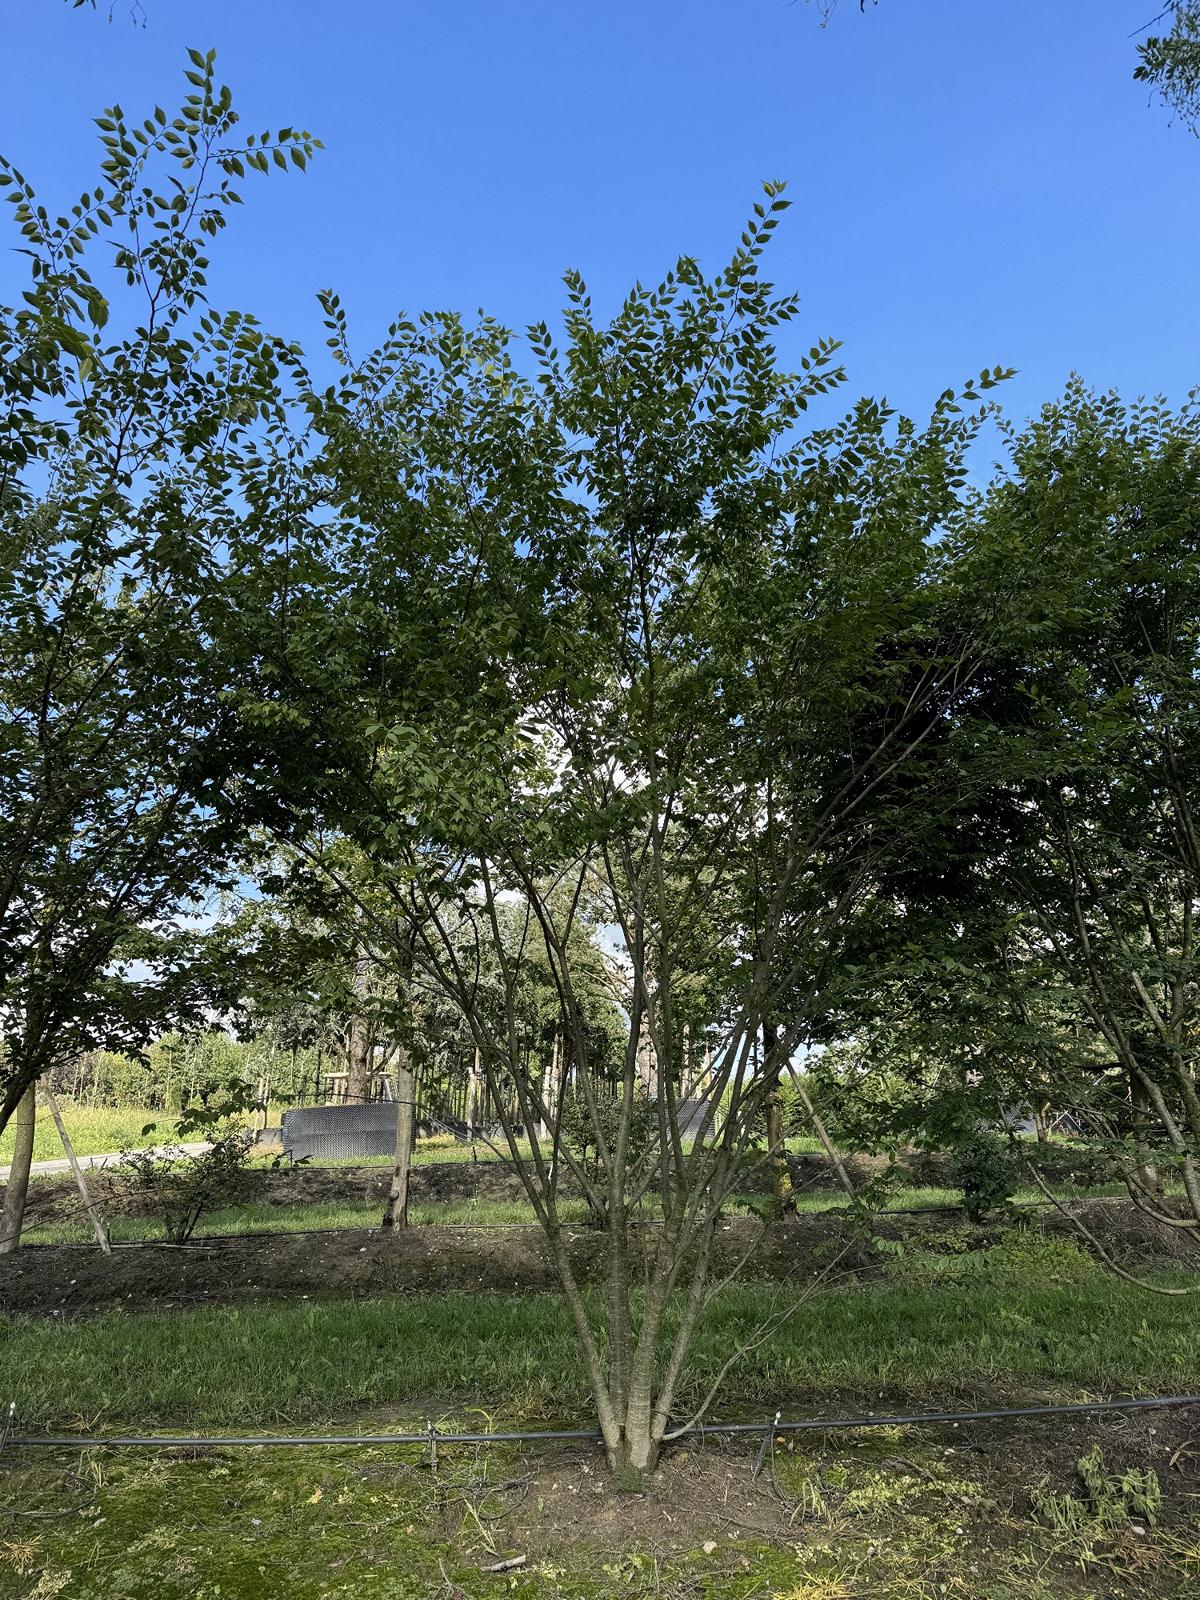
{"x":136,"y":424}
{"x":608,"y":712}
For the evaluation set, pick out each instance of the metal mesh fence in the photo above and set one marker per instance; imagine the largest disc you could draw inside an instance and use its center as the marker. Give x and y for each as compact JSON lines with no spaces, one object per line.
{"x":340,"y":1132}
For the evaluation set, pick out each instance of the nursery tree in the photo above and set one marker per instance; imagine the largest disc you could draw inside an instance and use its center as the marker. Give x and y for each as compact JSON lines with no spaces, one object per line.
{"x":306,"y":976}
{"x":355,"y":958}
{"x":137,"y":430}
{"x":1094,"y":753}
{"x":639,"y":658}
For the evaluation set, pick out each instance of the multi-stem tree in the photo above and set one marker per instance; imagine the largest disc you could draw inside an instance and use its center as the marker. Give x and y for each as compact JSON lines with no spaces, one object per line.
{"x":635,"y":657}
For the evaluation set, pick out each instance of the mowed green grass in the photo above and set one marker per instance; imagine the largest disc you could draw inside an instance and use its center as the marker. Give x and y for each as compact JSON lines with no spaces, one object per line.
{"x":93,"y":1130}
{"x":97,"y":1130}
{"x":269,"y":1365}
{"x":262,"y":1217}
{"x":445,"y":1148}
{"x":100,"y":1130}
{"x":437,"y":1150}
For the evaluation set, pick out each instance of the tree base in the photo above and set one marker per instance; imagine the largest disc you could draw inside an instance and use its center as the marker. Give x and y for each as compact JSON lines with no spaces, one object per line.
{"x":632,"y":1465}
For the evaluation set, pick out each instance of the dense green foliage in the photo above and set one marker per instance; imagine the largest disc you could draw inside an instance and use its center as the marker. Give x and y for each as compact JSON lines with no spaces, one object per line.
{"x":1171,"y":61}
{"x":577,"y":723}
{"x":134,"y":423}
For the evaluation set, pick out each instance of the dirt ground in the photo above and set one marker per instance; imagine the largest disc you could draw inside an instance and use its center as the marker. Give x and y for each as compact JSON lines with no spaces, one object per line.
{"x":56,"y":1199}
{"x":718,"y":1488}
{"x":75,"y":1280}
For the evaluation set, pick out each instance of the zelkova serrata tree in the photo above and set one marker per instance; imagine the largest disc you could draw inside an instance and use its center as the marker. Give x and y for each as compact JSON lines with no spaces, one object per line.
{"x":120,"y":462}
{"x":619,"y":646}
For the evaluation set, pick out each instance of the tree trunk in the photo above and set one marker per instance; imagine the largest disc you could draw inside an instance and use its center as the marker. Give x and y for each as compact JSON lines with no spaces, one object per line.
{"x":623,"y":1384}
{"x":396,"y":1214}
{"x":549,"y":1089}
{"x":360,"y":1041}
{"x":635,"y":1454}
{"x":1147,"y":1176}
{"x":781,"y":1177}
{"x":358,"y":1060}
{"x":17,"y":1189}
{"x":647,"y":1066}
{"x":473,"y":1096}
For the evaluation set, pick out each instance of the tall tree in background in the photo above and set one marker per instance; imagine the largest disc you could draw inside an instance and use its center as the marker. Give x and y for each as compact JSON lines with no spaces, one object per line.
{"x":1097,"y":754}
{"x":303,"y":978}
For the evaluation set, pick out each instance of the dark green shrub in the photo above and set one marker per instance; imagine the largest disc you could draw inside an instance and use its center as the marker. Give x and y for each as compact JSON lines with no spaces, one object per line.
{"x":986,"y":1171}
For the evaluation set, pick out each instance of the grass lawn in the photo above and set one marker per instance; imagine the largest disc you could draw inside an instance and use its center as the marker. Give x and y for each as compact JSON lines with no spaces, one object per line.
{"x":265,"y":1218}
{"x":898,"y":1514}
{"x":97,"y":1130}
{"x":93,"y":1131}
{"x":1033,"y":1316}
{"x":437,"y":1150}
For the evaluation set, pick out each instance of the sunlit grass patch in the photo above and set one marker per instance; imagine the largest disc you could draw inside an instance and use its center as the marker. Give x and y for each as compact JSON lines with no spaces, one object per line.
{"x":262,"y":1364}
{"x":93,"y":1130}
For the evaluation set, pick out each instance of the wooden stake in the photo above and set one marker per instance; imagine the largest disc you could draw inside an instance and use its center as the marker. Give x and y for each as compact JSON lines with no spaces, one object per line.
{"x":396,"y":1213}
{"x":89,"y":1206}
{"x":822,"y":1134}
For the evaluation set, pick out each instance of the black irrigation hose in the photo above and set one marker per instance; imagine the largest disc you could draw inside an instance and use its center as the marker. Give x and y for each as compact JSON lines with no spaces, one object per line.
{"x":590,"y":1435}
{"x":383,"y":1166}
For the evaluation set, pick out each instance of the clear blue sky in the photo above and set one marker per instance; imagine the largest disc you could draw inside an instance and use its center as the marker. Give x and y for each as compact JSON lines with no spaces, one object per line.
{"x":975,"y":181}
